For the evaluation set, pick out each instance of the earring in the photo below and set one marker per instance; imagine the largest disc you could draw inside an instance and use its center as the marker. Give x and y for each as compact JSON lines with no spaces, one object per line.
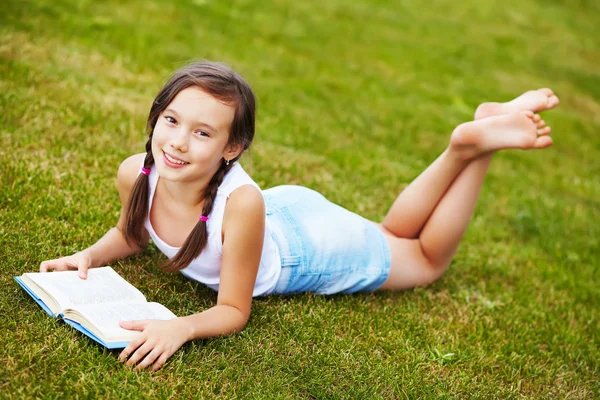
{"x":226,"y":162}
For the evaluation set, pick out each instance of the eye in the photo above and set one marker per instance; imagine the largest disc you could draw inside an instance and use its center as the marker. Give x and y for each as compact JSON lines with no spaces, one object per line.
{"x":202,"y":133}
{"x":170,"y":120}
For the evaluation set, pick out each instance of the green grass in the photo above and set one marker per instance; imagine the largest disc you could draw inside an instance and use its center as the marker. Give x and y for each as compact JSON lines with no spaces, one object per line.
{"x":355,"y":100}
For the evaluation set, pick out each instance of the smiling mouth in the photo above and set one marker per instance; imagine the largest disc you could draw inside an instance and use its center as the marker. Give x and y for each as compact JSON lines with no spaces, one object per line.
{"x":174,"y":160}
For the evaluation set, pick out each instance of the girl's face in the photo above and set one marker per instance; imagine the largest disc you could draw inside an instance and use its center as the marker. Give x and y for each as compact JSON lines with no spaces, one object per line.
{"x":190,"y":136}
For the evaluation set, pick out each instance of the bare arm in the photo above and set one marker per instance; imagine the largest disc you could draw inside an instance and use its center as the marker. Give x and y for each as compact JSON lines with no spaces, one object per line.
{"x":112,"y":245}
{"x":243,"y":232}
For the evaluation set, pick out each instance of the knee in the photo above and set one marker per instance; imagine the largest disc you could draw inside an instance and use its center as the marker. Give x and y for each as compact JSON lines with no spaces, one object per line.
{"x":437,"y":265}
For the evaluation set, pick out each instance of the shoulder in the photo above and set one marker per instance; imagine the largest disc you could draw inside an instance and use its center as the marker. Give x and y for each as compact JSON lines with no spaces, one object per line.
{"x":246,"y":200}
{"x":243,"y":228}
{"x":128,"y":172}
{"x":244,"y":211}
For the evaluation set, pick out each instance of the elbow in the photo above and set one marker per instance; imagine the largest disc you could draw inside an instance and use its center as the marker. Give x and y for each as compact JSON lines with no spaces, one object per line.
{"x":239,"y":328}
{"x":229,"y":319}
{"x":242,"y":321}
{"x":239,"y":320}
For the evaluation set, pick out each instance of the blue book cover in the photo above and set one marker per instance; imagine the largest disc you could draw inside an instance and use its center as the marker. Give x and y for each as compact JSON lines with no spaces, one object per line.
{"x":35,"y":297}
{"x":105,"y":297}
{"x":83,"y":329}
{"x":79,"y":327}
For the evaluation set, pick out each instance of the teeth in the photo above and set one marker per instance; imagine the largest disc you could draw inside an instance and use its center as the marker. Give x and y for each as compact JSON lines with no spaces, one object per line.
{"x":174,"y":160}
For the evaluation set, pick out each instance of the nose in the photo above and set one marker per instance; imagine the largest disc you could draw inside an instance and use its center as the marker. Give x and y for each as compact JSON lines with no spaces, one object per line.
{"x":179,"y":140}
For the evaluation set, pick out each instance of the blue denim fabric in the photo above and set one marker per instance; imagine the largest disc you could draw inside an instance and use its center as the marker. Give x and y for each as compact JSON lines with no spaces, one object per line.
{"x":324,"y":248}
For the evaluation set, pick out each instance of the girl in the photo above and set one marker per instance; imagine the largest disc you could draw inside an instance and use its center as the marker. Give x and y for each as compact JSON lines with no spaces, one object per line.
{"x":191,"y":196}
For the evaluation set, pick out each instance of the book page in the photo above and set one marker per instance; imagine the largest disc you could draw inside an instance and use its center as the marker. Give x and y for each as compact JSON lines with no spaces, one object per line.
{"x":105,"y":318}
{"x":102,"y":286}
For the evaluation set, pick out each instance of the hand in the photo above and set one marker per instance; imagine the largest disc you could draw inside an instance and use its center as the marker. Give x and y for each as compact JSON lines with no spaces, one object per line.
{"x":158,"y":341}
{"x":80,"y":261}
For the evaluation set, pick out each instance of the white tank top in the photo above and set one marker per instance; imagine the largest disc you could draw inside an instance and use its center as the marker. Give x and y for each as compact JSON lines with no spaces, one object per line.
{"x":206,"y":268}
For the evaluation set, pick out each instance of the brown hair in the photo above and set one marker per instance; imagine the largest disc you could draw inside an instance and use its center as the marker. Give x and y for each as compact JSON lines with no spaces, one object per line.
{"x":225,"y":85}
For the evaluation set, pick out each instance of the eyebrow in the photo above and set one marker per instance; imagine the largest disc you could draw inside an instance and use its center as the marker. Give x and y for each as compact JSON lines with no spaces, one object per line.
{"x":195,"y":122}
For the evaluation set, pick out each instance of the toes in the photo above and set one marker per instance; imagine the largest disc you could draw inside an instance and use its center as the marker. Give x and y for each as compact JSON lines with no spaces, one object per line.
{"x":544,"y":131}
{"x":552,"y":100}
{"x":530,"y":114}
{"x":541,"y":124}
{"x":536,"y":118}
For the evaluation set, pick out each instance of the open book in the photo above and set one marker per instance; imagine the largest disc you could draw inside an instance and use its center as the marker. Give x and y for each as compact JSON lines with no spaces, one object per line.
{"x":93,"y":306}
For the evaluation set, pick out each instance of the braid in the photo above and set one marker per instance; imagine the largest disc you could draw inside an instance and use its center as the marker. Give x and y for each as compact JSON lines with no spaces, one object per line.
{"x":149,"y":160}
{"x":197,"y":239}
{"x":211,"y":190}
{"x":137,"y":208}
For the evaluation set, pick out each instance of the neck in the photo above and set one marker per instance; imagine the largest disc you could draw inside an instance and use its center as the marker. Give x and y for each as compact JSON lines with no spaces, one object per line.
{"x":184,"y":194}
{"x":187,"y":195}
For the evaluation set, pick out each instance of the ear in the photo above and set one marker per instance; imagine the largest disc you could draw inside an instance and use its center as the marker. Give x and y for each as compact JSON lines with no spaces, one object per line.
{"x":232,"y":151}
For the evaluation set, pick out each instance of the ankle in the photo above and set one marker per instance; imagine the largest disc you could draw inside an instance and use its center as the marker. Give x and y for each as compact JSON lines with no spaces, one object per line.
{"x":457,"y":155}
{"x":460,"y":148}
{"x":485,"y":158}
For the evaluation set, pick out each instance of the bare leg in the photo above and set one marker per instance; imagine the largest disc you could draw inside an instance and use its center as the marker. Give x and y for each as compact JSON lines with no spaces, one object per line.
{"x":407,"y":216}
{"x":438,"y":205}
{"x":411,"y":209}
{"x":448,"y":222}
{"x":415,"y":204}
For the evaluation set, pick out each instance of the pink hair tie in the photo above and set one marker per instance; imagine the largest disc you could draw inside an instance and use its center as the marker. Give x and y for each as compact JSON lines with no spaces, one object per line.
{"x":145,"y":171}
{"x":203,"y":218}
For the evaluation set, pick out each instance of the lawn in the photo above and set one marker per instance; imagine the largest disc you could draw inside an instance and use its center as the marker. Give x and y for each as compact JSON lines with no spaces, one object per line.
{"x":355,"y":100}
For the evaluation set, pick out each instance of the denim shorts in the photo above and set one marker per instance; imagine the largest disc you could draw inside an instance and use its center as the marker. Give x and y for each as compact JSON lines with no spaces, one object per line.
{"x":324,"y":248}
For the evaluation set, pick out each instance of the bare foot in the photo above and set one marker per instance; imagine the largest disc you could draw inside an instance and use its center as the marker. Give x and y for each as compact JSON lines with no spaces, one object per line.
{"x":533,"y":100}
{"x":517,"y":130}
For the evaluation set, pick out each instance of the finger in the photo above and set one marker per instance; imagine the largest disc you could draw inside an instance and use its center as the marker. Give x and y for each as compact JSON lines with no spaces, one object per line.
{"x":44,"y":266}
{"x":49,"y":265}
{"x":138,"y":325}
{"x":150,"y":358}
{"x":160,"y":362}
{"x":131,"y":347}
{"x":139,"y":354}
{"x":82,"y":268}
